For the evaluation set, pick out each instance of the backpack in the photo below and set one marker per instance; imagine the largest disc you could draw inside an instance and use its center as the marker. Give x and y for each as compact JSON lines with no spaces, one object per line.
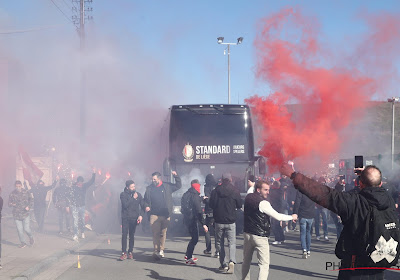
{"x":187,"y":206}
{"x":380,"y":245}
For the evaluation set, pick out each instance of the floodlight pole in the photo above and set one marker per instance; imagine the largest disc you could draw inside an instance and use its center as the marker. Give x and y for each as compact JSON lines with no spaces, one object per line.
{"x":220,"y":41}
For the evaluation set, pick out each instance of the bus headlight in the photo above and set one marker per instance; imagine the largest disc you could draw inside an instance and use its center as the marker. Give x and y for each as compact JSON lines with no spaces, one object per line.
{"x":176,"y":210}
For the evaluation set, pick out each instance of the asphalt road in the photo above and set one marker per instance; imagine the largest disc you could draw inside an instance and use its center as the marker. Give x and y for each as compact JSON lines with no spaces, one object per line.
{"x":100,"y":261}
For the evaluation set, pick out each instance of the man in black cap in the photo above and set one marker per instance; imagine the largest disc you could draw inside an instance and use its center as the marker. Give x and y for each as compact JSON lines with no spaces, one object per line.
{"x":224,"y":201}
{"x":131,"y":215}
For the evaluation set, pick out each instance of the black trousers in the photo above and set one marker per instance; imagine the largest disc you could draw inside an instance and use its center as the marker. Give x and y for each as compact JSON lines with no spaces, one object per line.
{"x":39,"y":216}
{"x":193,"y":228}
{"x":210,"y":224}
{"x":277,"y":230}
{"x":61,"y":214}
{"x":128,"y":228}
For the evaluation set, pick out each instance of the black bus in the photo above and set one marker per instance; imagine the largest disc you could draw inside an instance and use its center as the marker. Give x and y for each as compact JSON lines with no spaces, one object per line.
{"x":204,"y":139}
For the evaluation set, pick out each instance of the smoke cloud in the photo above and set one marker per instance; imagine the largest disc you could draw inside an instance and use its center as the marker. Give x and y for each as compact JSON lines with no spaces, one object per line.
{"x":331,"y":89}
{"x":128,"y":93}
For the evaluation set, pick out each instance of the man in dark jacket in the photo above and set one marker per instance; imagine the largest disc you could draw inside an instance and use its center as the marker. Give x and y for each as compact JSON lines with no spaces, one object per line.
{"x":21,"y":201}
{"x":61,"y":198}
{"x":354,"y":209}
{"x":191,"y":220}
{"x":224,"y":201}
{"x":78,"y":202}
{"x":158,"y":203}
{"x":305,"y":209}
{"x":131,"y":215}
{"x":39,"y":201}
{"x":208,"y":188}
{"x":257,"y":214}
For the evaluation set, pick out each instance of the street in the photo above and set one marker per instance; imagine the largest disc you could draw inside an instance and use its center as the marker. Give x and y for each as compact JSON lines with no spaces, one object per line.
{"x":101,"y":262}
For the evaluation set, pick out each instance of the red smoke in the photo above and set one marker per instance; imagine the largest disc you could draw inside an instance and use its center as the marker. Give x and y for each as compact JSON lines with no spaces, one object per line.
{"x":295,"y":65}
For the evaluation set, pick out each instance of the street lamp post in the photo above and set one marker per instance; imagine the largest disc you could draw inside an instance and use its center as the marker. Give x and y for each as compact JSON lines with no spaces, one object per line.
{"x":393,"y":100}
{"x":220,"y":41}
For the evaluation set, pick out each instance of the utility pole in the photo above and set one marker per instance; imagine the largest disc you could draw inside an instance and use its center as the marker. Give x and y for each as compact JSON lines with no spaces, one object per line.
{"x":79,"y":20}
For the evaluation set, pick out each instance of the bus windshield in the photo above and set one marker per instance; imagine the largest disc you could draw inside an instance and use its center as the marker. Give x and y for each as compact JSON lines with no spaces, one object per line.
{"x":211,"y":134}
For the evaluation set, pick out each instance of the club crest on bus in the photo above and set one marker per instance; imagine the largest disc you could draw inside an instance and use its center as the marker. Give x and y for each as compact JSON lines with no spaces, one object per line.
{"x":188,"y":153}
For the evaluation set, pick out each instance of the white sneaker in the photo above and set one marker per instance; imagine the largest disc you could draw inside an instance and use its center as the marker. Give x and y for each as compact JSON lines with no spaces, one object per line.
{"x":305,"y":255}
{"x":75,"y":237}
{"x":318,"y":238}
{"x":83,"y":236}
{"x":277,"y":243}
{"x":231,"y":268}
{"x":161,"y":254}
{"x":326,"y":238}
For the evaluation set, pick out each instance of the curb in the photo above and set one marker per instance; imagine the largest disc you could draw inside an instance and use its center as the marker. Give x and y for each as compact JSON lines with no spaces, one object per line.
{"x":38,"y":268}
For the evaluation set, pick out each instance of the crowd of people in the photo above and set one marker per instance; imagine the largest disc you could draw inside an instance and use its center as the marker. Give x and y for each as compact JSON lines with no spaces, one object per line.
{"x":69,"y":200}
{"x":270,"y":207}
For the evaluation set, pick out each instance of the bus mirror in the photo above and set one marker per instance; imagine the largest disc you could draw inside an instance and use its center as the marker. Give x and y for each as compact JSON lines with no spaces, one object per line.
{"x":261,"y":166}
{"x":166,"y":167}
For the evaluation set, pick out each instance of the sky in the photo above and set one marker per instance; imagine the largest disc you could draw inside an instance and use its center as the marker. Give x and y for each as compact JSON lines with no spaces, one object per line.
{"x":179,"y":37}
{"x":141,"y":58}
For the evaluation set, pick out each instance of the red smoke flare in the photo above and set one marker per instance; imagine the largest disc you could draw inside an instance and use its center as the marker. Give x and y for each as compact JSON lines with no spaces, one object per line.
{"x":296,"y":67}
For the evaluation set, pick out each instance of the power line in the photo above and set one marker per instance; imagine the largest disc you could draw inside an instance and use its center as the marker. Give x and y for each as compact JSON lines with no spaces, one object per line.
{"x":27,"y":30}
{"x":66,"y":4}
{"x":61,"y":11}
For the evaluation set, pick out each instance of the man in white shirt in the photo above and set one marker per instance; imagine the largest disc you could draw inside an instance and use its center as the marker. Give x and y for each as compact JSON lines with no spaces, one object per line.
{"x":257,"y":226}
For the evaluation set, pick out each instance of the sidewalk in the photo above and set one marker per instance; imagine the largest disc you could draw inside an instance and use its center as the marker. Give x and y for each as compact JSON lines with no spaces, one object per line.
{"x":49,"y":247}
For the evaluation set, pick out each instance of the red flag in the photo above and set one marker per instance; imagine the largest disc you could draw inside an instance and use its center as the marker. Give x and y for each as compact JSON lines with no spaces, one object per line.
{"x":31,"y":172}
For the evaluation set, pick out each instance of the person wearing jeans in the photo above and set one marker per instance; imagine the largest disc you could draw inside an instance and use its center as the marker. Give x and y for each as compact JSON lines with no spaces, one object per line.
{"x":305,"y":234}
{"x":78,"y":201}
{"x":321,"y":212}
{"x":21,"y":201}
{"x":78,"y":215}
{"x":23,"y":226}
{"x":228,"y":231}
{"x":224,"y":201}
{"x":305,"y":208}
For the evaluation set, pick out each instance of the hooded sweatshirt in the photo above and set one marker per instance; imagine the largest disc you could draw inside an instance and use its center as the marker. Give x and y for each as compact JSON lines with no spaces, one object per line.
{"x":224,"y":201}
